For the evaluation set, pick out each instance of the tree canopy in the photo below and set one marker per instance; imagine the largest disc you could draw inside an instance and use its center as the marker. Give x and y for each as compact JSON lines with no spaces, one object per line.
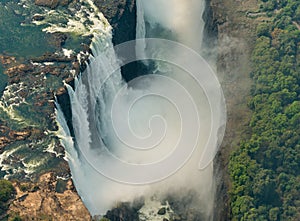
{"x":265,"y":168}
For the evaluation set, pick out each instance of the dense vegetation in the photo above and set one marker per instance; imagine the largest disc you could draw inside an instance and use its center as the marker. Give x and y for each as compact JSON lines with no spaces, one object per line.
{"x":265,"y":168}
{"x":6,"y":193}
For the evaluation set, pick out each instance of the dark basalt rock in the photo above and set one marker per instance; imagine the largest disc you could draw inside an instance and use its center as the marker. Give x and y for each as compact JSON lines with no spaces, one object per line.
{"x":64,"y":100}
{"x":38,"y":17}
{"x":210,"y":34}
{"x":50,"y":57}
{"x":122,"y":16}
{"x":162,"y":211}
{"x":125,"y":211}
{"x":185,"y":203}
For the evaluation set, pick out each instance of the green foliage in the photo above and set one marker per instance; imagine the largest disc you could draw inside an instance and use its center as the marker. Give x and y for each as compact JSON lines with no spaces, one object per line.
{"x":263,"y":30}
{"x":274,"y":214}
{"x":265,"y":169}
{"x":270,"y":5}
{"x":7,"y":192}
{"x":297,"y":14}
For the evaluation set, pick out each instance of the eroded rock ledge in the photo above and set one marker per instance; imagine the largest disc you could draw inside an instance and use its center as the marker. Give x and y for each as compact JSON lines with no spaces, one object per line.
{"x":45,"y":196}
{"x":48,"y":199}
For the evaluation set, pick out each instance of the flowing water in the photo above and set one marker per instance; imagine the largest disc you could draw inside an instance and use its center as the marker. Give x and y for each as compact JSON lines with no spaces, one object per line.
{"x":125,"y":130}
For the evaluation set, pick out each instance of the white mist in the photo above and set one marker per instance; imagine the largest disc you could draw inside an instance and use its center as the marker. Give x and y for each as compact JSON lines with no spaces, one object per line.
{"x":93,"y":98}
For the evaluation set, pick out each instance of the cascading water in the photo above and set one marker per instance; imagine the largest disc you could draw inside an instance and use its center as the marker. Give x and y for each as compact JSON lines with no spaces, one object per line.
{"x":124,"y":131}
{"x":140,"y":30}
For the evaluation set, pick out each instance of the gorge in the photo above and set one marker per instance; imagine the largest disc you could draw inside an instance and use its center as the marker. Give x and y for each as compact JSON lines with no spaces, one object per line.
{"x":152,"y":120}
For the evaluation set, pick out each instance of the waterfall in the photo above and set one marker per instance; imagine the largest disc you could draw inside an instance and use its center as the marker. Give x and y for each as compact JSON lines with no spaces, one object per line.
{"x":127,"y":133}
{"x":140,"y":30}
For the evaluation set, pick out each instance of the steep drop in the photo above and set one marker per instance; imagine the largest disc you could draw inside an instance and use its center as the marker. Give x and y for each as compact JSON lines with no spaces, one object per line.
{"x":142,"y":121}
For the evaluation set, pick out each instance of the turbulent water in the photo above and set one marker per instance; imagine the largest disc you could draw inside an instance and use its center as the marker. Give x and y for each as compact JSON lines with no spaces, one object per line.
{"x":126,"y":131}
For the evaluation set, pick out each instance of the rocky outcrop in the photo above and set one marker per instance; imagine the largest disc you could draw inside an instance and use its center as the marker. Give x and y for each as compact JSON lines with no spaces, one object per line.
{"x":48,"y":199}
{"x":51,"y":3}
{"x":27,"y":127}
{"x":32,"y":84}
{"x":7,"y":60}
{"x":46,"y":196}
{"x":50,"y":57}
{"x":18,"y":70}
{"x":125,"y":211}
{"x":9,"y":136}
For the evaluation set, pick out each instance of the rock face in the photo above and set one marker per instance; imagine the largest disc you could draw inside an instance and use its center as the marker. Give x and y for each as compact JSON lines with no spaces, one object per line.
{"x":47,"y":200}
{"x":121,"y":15}
{"x":51,"y":3}
{"x":210,"y":35}
{"x":235,"y":31}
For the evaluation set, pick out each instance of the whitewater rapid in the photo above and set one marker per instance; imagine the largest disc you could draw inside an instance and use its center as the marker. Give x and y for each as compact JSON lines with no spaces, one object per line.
{"x":122,"y":130}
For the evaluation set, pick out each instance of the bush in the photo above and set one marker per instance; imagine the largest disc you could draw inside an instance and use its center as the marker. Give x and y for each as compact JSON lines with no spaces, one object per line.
{"x":297,"y":14}
{"x":6,"y":190}
{"x":263,"y":30}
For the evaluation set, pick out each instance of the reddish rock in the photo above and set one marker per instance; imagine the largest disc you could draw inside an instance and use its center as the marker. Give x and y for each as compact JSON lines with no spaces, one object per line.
{"x":18,"y":70}
{"x":61,"y":91}
{"x":69,"y":80}
{"x":47,"y":3}
{"x":4,"y":129}
{"x":7,"y":60}
{"x":22,"y":135}
{"x":4,"y":141}
{"x":52,"y":3}
{"x":41,"y":201}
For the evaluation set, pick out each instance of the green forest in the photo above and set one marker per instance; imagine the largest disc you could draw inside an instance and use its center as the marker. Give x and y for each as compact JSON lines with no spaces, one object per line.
{"x":264,"y":168}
